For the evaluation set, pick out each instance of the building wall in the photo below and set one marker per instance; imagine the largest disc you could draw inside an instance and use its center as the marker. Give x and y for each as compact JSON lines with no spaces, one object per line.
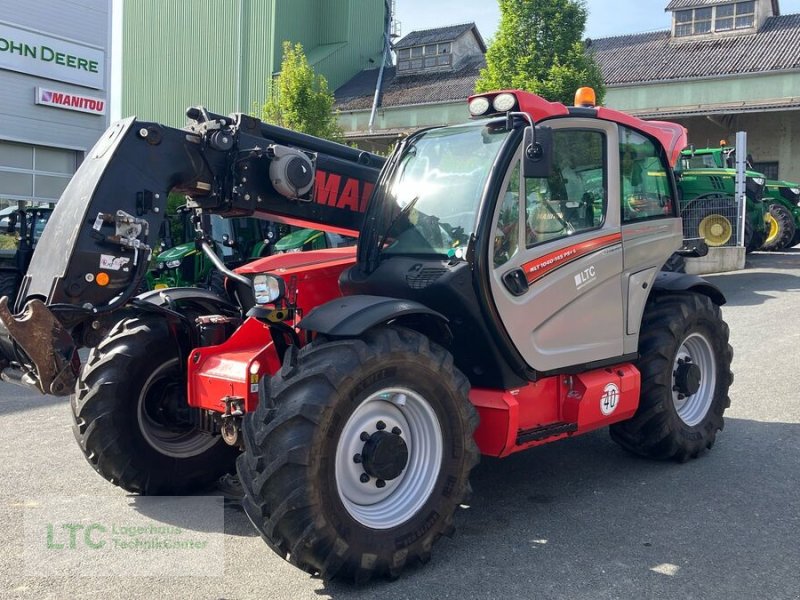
{"x":42,"y":144}
{"x":222,"y":53}
{"x":706,"y":95}
{"x":405,"y":118}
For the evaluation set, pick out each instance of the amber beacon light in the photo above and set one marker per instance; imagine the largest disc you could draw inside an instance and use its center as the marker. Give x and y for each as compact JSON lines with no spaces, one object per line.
{"x":585,"y":96}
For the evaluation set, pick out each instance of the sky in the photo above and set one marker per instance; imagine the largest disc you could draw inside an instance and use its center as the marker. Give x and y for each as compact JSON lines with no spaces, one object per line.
{"x":606,"y":17}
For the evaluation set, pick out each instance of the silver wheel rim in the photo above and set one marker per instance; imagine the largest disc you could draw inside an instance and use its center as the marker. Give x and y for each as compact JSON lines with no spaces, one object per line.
{"x":692,"y":409}
{"x":400,"y":498}
{"x":177,"y":444}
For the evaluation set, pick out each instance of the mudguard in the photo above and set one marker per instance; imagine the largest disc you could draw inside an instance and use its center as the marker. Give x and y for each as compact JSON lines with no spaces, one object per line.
{"x":680,"y":282}
{"x":353,"y":315}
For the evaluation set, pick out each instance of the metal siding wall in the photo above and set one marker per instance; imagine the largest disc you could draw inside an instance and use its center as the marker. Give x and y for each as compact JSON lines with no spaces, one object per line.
{"x":85,"y":21}
{"x":178,"y":54}
{"x":258,"y":58}
{"x":187,"y":51}
{"x":364,"y":22}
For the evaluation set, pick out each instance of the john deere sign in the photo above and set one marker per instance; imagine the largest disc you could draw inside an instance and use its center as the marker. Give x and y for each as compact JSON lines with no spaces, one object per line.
{"x":52,"y":58}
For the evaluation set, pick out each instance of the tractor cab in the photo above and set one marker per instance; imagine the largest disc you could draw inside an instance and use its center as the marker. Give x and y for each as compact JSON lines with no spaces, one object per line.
{"x":516,"y":228}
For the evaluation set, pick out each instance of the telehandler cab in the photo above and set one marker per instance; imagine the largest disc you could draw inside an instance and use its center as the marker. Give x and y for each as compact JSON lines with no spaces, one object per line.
{"x":505,"y":293}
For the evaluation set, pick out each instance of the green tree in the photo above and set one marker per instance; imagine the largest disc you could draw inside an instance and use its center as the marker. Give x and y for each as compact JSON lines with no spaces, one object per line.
{"x":539,"y":48}
{"x":299,"y":99}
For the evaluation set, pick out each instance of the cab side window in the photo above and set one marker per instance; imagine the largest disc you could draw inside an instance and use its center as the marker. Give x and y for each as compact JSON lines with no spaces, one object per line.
{"x":646,"y":192}
{"x":506,"y":235}
{"x":573,"y":198}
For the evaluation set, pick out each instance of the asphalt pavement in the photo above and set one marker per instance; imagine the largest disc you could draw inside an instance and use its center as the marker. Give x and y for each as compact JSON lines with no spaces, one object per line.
{"x":576,"y":519}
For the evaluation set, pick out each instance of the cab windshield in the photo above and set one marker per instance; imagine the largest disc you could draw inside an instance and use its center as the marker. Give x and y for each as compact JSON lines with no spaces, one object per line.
{"x":432,"y":198}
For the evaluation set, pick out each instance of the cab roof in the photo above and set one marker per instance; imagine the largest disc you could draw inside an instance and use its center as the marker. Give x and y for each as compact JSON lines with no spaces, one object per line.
{"x":671,"y":136}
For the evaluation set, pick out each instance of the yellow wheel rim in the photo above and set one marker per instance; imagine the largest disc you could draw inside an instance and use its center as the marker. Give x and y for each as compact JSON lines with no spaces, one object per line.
{"x":773,"y":229}
{"x":716,"y":230}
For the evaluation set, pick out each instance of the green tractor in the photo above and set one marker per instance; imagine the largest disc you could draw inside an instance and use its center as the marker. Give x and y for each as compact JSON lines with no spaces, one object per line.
{"x":236,"y":241}
{"x":781,"y":198}
{"x":302,"y":240}
{"x":20,"y":230}
{"x":708,"y":202}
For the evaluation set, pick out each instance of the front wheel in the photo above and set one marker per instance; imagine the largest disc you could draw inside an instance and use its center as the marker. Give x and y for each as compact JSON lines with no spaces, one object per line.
{"x":132,"y":420}
{"x":782,"y":228}
{"x":685,"y":364}
{"x":360,"y":454}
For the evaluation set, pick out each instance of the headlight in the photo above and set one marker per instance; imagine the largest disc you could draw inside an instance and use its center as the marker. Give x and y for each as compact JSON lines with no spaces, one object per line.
{"x":795,"y":191}
{"x":758,"y":180}
{"x":478,"y":106}
{"x":267,"y":288}
{"x":504,"y":102}
{"x":173,"y":264}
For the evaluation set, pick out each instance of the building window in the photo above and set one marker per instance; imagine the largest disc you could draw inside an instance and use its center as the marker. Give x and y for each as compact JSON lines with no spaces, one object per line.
{"x":34,"y":173}
{"x":741,"y":15}
{"x":769,"y":169}
{"x":694,"y":21}
{"x":429,"y":56}
{"x":725,"y":17}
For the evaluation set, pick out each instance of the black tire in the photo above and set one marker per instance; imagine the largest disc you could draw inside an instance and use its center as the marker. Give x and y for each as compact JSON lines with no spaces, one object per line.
{"x":216,"y":283}
{"x":753,"y":240}
{"x":9,"y":286}
{"x":675,"y":264}
{"x":126,"y":434}
{"x":786,"y":228}
{"x":669,"y":424}
{"x":291,"y":471}
{"x":796,"y":238}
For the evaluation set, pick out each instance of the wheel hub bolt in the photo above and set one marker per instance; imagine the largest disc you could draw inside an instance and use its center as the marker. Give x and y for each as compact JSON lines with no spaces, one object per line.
{"x":364,"y":478}
{"x":396,"y":431}
{"x":357,"y":458}
{"x":380,"y":483}
{"x":364,"y":436}
{"x":380,"y":426}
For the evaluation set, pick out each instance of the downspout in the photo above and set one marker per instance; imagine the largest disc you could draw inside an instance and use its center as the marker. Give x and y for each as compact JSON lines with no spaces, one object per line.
{"x":386,"y":49}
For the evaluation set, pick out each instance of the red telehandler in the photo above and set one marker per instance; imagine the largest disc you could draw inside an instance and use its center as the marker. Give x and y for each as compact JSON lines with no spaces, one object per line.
{"x":506,"y":292}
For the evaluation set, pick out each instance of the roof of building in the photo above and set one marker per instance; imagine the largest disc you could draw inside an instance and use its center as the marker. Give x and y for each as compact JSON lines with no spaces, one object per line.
{"x":422,"y":88}
{"x":681,"y":4}
{"x":655,"y":56}
{"x":439,"y":35}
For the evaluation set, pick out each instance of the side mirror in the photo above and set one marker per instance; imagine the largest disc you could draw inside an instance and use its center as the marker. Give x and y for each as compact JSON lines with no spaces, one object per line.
{"x":537,"y":153}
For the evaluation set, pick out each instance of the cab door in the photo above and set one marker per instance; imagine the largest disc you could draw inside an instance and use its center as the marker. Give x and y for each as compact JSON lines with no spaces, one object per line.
{"x":557,"y":254}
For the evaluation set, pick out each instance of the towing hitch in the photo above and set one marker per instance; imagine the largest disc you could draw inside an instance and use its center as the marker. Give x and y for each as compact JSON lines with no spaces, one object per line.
{"x":54,"y":362}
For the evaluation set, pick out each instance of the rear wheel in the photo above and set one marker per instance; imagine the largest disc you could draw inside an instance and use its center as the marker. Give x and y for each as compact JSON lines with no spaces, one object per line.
{"x":359,"y":460}
{"x":131,"y":418}
{"x":685,"y":363}
{"x":782,"y":228}
{"x":715,"y":229}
